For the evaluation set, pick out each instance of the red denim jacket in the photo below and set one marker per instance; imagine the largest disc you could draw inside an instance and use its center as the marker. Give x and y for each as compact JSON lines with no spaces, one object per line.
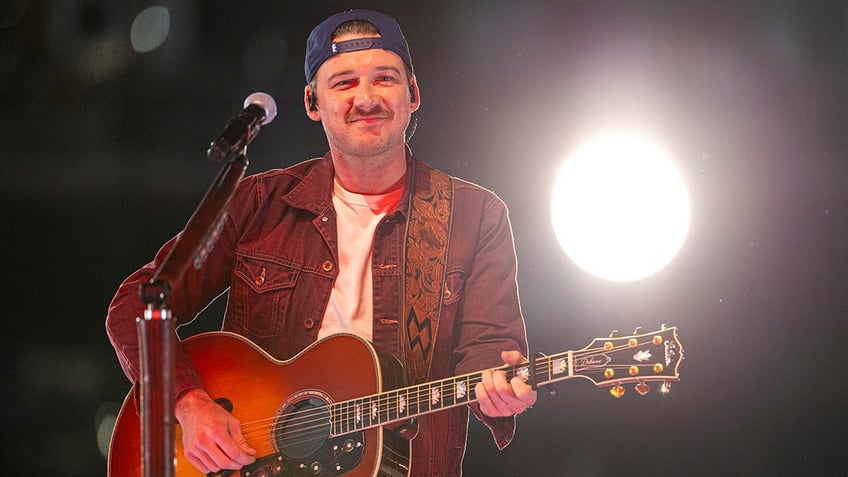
{"x":277,"y":255}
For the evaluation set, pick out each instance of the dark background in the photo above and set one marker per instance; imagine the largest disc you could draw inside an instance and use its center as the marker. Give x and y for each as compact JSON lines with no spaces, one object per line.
{"x":102,"y":152}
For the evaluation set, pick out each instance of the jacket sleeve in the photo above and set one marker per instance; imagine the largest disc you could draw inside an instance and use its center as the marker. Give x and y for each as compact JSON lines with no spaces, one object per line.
{"x":195,"y":290}
{"x":491,"y":319}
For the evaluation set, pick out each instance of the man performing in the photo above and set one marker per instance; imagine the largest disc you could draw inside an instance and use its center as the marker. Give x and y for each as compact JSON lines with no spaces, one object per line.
{"x":365,"y":240}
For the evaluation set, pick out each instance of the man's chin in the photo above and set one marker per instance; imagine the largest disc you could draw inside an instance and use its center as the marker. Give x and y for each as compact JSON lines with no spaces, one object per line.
{"x":366,"y":148}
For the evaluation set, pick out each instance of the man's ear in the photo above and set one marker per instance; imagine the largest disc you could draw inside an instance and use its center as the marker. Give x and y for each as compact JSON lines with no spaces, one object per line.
{"x":310,"y":102}
{"x":415,"y":94}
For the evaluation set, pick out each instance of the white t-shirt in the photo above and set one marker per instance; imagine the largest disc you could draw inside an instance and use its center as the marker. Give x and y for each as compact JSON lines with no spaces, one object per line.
{"x":350,"y":309}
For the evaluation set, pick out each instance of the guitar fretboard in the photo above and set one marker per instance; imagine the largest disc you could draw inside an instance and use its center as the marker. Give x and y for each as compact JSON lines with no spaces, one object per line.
{"x":402,"y":404}
{"x":405,"y":403}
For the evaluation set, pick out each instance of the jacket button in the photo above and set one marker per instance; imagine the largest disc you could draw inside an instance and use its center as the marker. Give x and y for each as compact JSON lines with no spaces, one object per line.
{"x":309,"y":323}
{"x":327,"y":266}
{"x":446,"y":293}
{"x":260,"y":279}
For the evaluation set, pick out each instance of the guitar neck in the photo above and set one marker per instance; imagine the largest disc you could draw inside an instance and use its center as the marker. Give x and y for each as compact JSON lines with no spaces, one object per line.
{"x":638,"y":358}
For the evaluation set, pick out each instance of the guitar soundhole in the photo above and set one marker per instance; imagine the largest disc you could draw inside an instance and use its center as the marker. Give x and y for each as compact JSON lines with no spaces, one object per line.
{"x":302,"y":428}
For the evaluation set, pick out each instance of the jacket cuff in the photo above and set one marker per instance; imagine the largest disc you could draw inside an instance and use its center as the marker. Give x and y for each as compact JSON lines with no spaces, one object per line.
{"x":180,"y":386}
{"x":502,"y":428}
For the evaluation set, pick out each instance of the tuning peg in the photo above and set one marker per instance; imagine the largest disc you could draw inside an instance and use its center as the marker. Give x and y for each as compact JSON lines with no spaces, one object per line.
{"x":666,"y":387}
{"x":613,"y":333}
{"x":617,"y":391}
{"x":642,"y":388}
{"x":638,"y":330}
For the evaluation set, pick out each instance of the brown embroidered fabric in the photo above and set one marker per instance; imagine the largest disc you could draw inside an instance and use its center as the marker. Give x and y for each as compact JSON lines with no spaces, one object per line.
{"x":428,"y":234}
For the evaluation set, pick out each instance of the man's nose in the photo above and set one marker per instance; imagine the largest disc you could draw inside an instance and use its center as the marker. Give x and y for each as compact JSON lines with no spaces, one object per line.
{"x":366,"y":96}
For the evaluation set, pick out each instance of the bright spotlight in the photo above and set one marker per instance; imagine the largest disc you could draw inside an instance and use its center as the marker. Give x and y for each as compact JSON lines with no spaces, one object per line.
{"x":620,"y":208}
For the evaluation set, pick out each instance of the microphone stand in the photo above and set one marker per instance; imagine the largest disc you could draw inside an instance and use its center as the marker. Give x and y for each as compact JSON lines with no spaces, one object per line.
{"x":157,"y":331}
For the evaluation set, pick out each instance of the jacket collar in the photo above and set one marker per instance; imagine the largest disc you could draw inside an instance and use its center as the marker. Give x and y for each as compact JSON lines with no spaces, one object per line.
{"x":315,"y":190}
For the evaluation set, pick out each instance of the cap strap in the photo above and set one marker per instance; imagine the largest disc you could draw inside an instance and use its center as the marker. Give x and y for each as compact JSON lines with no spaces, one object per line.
{"x":357,"y":44}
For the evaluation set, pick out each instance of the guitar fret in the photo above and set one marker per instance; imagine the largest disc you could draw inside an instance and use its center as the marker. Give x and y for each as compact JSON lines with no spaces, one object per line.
{"x":359,"y":414}
{"x":385,"y":409}
{"x":342,"y":419}
{"x":365,"y":413}
{"x":376,"y":411}
{"x":334,"y":419}
{"x":415,"y":402}
{"x":461,"y":392}
{"x":350,"y":420}
{"x":550,"y":368}
{"x":449,"y":397}
{"x":435,"y":393}
{"x":391,"y":405}
{"x":403,"y":403}
{"x":561,"y":366}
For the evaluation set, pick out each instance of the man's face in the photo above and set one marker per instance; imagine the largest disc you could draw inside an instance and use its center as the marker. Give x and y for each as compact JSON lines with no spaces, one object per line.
{"x":364,"y":102}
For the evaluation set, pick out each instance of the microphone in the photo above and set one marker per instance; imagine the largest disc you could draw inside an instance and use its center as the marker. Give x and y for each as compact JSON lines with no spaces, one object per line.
{"x":259,"y":110}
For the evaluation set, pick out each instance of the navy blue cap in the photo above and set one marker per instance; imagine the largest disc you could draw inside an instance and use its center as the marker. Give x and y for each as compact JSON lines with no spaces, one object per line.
{"x":320,"y":47}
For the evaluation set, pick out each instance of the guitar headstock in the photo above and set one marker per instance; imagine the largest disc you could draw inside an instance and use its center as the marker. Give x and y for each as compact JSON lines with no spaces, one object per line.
{"x":638,"y":358}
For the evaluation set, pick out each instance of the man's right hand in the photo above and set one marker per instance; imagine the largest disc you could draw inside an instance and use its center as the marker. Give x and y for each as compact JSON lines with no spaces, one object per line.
{"x":212,"y":438}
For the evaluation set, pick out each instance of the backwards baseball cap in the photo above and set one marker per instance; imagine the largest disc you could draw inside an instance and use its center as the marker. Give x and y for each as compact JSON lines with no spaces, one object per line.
{"x":320,"y":46}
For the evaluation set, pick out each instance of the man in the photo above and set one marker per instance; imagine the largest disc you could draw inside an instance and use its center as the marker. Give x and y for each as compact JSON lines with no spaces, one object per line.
{"x":345,"y":243}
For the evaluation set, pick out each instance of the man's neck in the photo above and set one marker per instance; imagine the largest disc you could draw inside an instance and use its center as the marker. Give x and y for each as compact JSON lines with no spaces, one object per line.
{"x":370,"y":175}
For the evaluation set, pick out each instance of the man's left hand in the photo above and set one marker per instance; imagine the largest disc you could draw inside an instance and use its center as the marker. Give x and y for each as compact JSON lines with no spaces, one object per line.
{"x":498,"y":397}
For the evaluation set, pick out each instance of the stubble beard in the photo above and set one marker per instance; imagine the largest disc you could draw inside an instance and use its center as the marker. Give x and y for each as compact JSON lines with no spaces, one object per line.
{"x":365,"y":147}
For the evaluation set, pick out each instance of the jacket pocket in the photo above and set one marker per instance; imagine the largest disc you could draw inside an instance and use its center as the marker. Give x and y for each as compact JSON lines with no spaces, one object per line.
{"x":259,"y":296}
{"x":454,"y":286}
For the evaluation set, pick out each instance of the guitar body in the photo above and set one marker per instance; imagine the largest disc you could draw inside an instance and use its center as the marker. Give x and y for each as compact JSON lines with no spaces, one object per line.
{"x":269,"y":396}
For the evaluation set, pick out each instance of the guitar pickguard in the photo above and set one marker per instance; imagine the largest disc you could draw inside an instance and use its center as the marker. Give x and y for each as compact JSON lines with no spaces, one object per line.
{"x":335,"y":457}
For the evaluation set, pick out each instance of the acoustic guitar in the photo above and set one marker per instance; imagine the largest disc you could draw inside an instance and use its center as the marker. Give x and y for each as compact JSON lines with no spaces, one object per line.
{"x":340,"y":408}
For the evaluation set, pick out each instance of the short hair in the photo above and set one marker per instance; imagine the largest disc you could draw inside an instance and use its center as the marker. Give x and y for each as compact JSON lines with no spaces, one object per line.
{"x":355,"y":27}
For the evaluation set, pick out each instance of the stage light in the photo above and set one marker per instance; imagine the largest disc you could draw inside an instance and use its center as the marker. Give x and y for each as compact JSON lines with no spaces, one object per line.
{"x":150,"y":29}
{"x":620,"y":208}
{"x":105,"y":417}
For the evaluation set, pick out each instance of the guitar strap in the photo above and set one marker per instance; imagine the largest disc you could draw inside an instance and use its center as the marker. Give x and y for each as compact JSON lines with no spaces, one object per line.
{"x":427,"y":238}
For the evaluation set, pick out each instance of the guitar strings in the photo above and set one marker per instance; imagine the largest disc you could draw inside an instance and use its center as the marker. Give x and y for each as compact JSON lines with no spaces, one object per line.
{"x":350,"y":415}
{"x":354,"y":415}
{"x":317,"y":423}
